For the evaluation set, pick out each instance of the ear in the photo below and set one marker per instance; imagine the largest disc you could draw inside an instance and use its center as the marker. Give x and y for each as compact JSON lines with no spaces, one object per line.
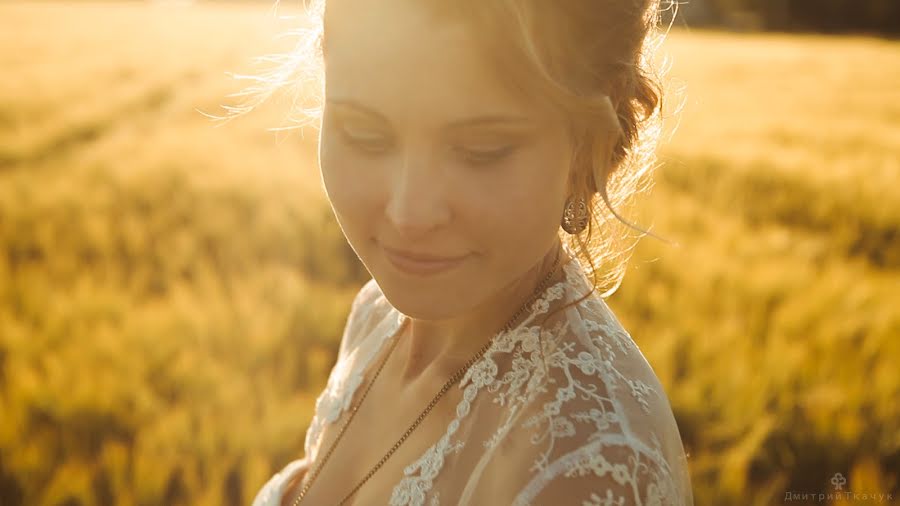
{"x":605,"y":134}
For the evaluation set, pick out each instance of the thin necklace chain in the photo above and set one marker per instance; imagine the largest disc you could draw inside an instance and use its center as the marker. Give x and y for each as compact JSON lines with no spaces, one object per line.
{"x":453,"y":380}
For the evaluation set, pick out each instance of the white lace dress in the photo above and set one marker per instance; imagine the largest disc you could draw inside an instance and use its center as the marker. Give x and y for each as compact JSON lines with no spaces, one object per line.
{"x":568,"y":409}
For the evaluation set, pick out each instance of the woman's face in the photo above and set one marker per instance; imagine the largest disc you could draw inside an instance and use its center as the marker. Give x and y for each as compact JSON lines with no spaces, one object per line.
{"x":423,"y":149}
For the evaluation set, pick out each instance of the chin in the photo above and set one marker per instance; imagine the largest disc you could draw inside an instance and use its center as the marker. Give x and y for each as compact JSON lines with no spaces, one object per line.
{"x":416,"y":306}
{"x":417,"y":294}
{"x":422,"y":299}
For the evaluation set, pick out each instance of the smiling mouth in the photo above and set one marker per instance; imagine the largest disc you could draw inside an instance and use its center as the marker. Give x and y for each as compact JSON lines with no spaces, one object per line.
{"x":419,"y":266}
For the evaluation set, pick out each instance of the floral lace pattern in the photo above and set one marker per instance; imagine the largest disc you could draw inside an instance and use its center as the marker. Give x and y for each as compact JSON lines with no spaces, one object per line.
{"x":567,"y":411}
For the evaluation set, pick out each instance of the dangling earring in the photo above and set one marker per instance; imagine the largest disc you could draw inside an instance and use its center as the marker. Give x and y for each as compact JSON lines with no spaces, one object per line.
{"x":575,"y":216}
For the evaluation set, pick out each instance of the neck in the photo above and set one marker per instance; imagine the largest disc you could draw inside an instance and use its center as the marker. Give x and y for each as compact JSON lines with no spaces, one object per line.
{"x":443,"y":346}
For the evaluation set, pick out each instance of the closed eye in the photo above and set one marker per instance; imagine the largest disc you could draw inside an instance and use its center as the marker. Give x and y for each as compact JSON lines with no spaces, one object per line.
{"x":370,"y":144}
{"x":364,"y":139}
{"x":483,"y":156}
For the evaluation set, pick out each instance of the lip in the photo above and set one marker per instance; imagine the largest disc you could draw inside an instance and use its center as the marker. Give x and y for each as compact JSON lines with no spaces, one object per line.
{"x":421,"y":264}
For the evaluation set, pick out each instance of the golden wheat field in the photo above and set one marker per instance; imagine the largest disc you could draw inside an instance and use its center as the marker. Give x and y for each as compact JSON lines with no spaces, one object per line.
{"x":172,"y":292}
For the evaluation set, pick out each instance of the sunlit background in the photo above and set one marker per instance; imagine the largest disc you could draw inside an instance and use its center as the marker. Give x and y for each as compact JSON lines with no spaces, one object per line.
{"x":172,"y":292}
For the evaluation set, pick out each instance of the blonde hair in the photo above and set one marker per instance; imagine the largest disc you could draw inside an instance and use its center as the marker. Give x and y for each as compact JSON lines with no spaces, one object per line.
{"x":592,"y":58}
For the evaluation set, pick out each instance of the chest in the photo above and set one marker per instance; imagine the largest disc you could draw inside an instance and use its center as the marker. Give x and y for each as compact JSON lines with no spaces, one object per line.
{"x":384,"y":417}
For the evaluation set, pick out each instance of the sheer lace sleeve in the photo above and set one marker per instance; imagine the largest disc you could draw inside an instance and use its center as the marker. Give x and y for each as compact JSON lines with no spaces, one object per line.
{"x":356,"y":320}
{"x":345,"y":374}
{"x":598,"y":428}
{"x":582,"y":460}
{"x":598,"y":474}
{"x":576,"y":443}
{"x":588,"y":425}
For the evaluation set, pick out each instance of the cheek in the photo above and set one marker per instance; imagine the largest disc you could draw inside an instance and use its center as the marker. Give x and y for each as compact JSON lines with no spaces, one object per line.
{"x":531,"y":197}
{"x":521,"y":216}
{"x":345,"y":185}
{"x":532,"y":215}
{"x":343,"y":175}
{"x":332,"y":165}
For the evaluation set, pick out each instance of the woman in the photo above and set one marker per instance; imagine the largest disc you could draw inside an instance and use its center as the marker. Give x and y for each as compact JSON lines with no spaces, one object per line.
{"x":480,"y":365}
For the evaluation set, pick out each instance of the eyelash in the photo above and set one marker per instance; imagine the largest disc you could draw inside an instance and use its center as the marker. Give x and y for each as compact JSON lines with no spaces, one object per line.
{"x":484,"y":157}
{"x":471,"y":157}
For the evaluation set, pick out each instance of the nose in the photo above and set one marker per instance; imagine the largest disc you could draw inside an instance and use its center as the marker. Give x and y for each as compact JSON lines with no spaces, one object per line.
{"x":417,"y":199}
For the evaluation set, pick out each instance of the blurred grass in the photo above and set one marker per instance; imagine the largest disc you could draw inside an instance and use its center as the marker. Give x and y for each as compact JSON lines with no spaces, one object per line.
{"x":171,"y":294}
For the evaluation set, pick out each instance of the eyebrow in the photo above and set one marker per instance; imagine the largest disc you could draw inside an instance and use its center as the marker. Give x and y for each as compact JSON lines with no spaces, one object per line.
{"x":488,"y":119}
